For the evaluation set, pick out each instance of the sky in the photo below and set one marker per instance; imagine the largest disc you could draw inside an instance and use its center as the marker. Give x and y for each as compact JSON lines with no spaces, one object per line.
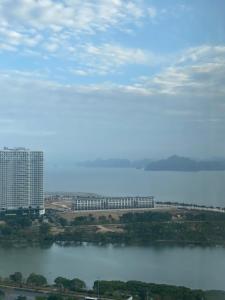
{"x":113,"y":78}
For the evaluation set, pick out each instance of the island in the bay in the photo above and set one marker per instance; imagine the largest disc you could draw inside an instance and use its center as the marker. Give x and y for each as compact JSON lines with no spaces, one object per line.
{"x":172,"y":163}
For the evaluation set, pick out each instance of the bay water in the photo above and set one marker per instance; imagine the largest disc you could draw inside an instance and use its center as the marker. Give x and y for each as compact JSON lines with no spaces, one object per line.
{"x":207,"y":188}
{"x":195,"y":267}
{"x":191,"y":266}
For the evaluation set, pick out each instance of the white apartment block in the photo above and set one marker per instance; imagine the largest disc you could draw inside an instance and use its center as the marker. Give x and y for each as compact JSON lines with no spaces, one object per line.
{"x":21,"y":179}
{"x":105,"y":203}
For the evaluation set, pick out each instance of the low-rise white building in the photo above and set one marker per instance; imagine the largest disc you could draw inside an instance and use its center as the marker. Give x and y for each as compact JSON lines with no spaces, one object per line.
{"x":104,"y":203}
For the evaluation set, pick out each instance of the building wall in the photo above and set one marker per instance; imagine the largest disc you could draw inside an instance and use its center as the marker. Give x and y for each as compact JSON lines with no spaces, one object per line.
{"x":104,"y":203}
{"x":36,"y":179}
{"x":21,"y":179}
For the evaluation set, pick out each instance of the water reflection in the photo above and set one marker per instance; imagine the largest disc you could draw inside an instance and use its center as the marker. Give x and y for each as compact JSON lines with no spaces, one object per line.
{"x":196,"y":267}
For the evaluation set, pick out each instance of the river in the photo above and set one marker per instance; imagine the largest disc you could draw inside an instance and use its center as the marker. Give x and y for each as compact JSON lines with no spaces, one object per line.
{"x":195,"y":267}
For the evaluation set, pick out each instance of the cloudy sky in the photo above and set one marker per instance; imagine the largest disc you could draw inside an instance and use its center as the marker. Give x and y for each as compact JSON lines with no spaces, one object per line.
{"x":113,"y":78}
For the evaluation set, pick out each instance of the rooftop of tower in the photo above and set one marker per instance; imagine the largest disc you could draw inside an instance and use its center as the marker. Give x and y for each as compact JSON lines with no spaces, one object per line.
{"x":15,"y":149}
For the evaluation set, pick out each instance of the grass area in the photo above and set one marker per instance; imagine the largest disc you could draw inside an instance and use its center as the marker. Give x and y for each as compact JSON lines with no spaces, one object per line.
{"x":137,"y":228}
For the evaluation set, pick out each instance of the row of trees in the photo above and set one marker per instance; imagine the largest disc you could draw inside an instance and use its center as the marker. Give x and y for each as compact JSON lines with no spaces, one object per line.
{"x":109,"y":289}
{"x":146,"y":216}
{"x":19,"y":229}
{"x":37,"y":280}
{"x":141,"y":290}
{"x":34,"y":280}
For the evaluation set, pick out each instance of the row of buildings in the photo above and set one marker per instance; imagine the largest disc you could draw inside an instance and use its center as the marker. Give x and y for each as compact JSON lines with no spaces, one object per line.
{"x":104,"y":203}
{"x":21,"y":186}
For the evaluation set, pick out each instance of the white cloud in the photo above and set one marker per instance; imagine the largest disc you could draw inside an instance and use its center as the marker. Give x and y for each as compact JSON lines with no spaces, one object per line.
{"x":79,"y":72}
{"x":54,"y":29}
{"x":31,"y":22}
{"x":6,"y":47}
{"x":12,"y":39}
{"x":196,"y":71}
{"x":108,"y":58}
{"x":52,"y":47}
{"x":152,"y":12}
{"x":202,"y":53}
{"x":124,"y":116}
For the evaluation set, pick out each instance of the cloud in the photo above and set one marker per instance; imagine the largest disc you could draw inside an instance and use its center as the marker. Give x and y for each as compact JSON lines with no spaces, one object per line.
{"x":152,"y":12}
{"x":177,"y":91}
{"x":68,"y":32}
{"x":197,"y":71}
{"x":108,"y":58}
{"x":110,"y":119}
{"x":203,"y":53}
{"x":29,"y":23}
{"x":13,"y":38}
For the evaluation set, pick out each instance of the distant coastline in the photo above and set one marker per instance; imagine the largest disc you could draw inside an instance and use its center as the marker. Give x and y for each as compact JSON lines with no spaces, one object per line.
{"x":172,"y":163}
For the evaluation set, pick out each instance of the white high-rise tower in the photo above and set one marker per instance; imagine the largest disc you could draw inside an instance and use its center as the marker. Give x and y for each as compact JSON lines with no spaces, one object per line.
{"x":21,"y":180}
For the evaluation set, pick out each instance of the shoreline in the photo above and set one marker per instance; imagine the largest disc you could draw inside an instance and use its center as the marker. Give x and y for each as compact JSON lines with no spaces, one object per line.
{"x":103,"y":289}
{"x":15,"y":244}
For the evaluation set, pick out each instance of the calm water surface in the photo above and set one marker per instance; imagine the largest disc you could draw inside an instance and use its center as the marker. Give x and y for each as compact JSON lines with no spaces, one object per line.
{"x":193,"y":267}
{"x":190,"y":187}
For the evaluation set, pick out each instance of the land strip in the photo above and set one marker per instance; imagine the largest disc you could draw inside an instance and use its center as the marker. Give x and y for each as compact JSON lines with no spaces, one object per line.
{"x":162,"y":225}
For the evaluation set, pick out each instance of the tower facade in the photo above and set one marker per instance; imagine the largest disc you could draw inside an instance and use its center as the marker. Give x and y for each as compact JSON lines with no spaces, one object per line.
{"x":21,"y":179}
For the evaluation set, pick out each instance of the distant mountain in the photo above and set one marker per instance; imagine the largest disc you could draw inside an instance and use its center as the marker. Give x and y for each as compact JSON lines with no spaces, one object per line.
{"x":178,"y":163}
{"x":172,"y":163}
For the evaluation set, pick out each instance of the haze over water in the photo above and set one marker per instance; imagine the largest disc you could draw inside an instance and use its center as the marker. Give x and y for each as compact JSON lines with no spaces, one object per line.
{"x":206,"y":188}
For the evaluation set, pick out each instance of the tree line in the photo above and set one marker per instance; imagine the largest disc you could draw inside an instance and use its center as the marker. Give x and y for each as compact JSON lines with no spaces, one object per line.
{"x":102,"y":288}
{"x":136,"y":228}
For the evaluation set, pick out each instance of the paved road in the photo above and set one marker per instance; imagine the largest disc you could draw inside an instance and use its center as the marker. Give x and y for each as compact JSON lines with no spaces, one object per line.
{"x":191,"y":207}
{"x":11,"y":292}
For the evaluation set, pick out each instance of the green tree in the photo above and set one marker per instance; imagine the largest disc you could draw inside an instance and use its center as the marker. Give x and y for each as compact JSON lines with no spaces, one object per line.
{"x":63,"y":222}
{"x":36,"y":280}
{"x":44,"y":229}
{"x":62,"y":282}
{"x":74,"y":285}
{"x":16,"y":277}
{"x":55,"y":297}
{"x":2,"y":294}
{"x":21,"y":297}
{"x":77,"y":284}
{"x":6,"y":230}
